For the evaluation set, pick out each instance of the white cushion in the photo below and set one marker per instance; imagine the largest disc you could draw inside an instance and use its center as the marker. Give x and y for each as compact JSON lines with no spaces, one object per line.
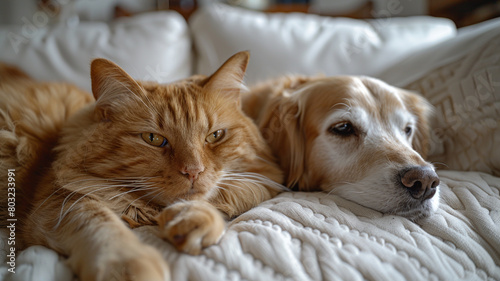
{"x":461,"y":78}
{"x":309,"y":44}
{"x":153,"y":46}
{"x":421,"y":62}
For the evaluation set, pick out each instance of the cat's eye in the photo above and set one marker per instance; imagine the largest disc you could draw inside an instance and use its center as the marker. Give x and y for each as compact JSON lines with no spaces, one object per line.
{"x":154,"y":139}
{"x":215,"y":136}
{"x":343,"y":129}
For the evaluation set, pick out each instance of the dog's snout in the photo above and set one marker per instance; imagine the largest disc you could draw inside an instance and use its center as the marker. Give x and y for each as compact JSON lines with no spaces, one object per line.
{"x":421,"y":182}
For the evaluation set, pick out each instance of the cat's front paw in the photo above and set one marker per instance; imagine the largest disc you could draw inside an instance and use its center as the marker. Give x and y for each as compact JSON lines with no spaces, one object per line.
{"x":129,"y":263}
{"x":191,"y":225}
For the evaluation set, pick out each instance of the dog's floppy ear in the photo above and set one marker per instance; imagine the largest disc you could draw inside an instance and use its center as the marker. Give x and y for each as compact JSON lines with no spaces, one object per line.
{"x":281,"y":127}
{"x":423,"y":111}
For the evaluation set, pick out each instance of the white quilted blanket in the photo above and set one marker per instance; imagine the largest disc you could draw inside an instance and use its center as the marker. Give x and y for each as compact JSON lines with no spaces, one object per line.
{"x":315,"y":236}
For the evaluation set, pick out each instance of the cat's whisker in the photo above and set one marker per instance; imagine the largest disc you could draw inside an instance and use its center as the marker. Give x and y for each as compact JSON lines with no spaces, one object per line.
{"x":230,"y":184}
{"x":152,"y":106}
{"x":63,"y":187}
{"x":246,"y":184}
{"x":135,"y":180}
{"x":84,"y":195}
{"x":142,"y":188}
{"x":246,"y":174}
{"x":257,"y":178}
{"x":48,"y":197}
{"x":111,"y":183}
{"x":131,"y":203}
{"x":220,"y":187}
{"x":159,"y":193}
{"x":62,"y":215}
{"x":90,"y":186}
{"x":239,"y":187}
{"x":245,"y":180}
{"x":264,"y":160}
{"x":139,"y":198}
{"x":69,"y":196}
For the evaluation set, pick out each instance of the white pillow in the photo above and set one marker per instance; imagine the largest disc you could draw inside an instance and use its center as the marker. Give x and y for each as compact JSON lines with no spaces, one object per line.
{"x":461,"y":78}
{"x":309,"y":44}
{"x":153,"y":46}
{"x":420,"y":62}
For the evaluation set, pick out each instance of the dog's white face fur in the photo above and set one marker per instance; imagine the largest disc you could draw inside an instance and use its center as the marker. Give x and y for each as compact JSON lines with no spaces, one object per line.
{"x":356,"y":137}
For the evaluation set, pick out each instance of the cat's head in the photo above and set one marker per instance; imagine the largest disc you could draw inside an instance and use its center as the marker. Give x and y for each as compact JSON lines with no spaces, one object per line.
{"x":180,"y":138}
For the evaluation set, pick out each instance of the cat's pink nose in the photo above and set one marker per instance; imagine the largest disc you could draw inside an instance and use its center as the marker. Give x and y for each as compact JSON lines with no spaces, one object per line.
{"x":192,"y":172}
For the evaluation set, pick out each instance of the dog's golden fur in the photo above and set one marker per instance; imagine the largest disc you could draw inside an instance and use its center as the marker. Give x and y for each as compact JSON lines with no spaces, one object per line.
{"x":181,"y":155}
{"x":297,"y":115}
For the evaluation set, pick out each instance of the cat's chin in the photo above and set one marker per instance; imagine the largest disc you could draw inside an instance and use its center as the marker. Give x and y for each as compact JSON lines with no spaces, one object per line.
{"x":195,"y":194}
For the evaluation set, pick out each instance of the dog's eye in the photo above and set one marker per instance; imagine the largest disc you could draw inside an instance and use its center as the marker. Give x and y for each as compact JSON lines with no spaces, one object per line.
{"x":342,"y":129}
{"x":408,"y":131}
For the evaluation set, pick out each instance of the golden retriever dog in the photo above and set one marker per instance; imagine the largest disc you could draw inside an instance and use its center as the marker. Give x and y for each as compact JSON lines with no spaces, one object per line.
{"x":356,"y":137}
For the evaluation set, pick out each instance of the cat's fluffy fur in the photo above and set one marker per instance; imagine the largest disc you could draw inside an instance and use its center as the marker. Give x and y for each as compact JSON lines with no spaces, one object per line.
{"x":181,"y":155}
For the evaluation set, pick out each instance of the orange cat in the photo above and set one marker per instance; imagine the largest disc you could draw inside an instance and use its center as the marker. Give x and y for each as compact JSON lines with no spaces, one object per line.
{"x":180,"y":155}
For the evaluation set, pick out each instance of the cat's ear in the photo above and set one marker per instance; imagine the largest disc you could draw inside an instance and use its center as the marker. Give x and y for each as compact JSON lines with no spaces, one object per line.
{"x":112,"y":86}
{"x":229,"y":77}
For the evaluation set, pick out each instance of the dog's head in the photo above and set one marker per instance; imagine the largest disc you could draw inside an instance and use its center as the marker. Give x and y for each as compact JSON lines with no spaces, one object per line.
{"x":359,"y":138}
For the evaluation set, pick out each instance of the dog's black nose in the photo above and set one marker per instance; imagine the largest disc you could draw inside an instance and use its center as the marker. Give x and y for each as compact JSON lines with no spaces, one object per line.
{"x":420,"y":181}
